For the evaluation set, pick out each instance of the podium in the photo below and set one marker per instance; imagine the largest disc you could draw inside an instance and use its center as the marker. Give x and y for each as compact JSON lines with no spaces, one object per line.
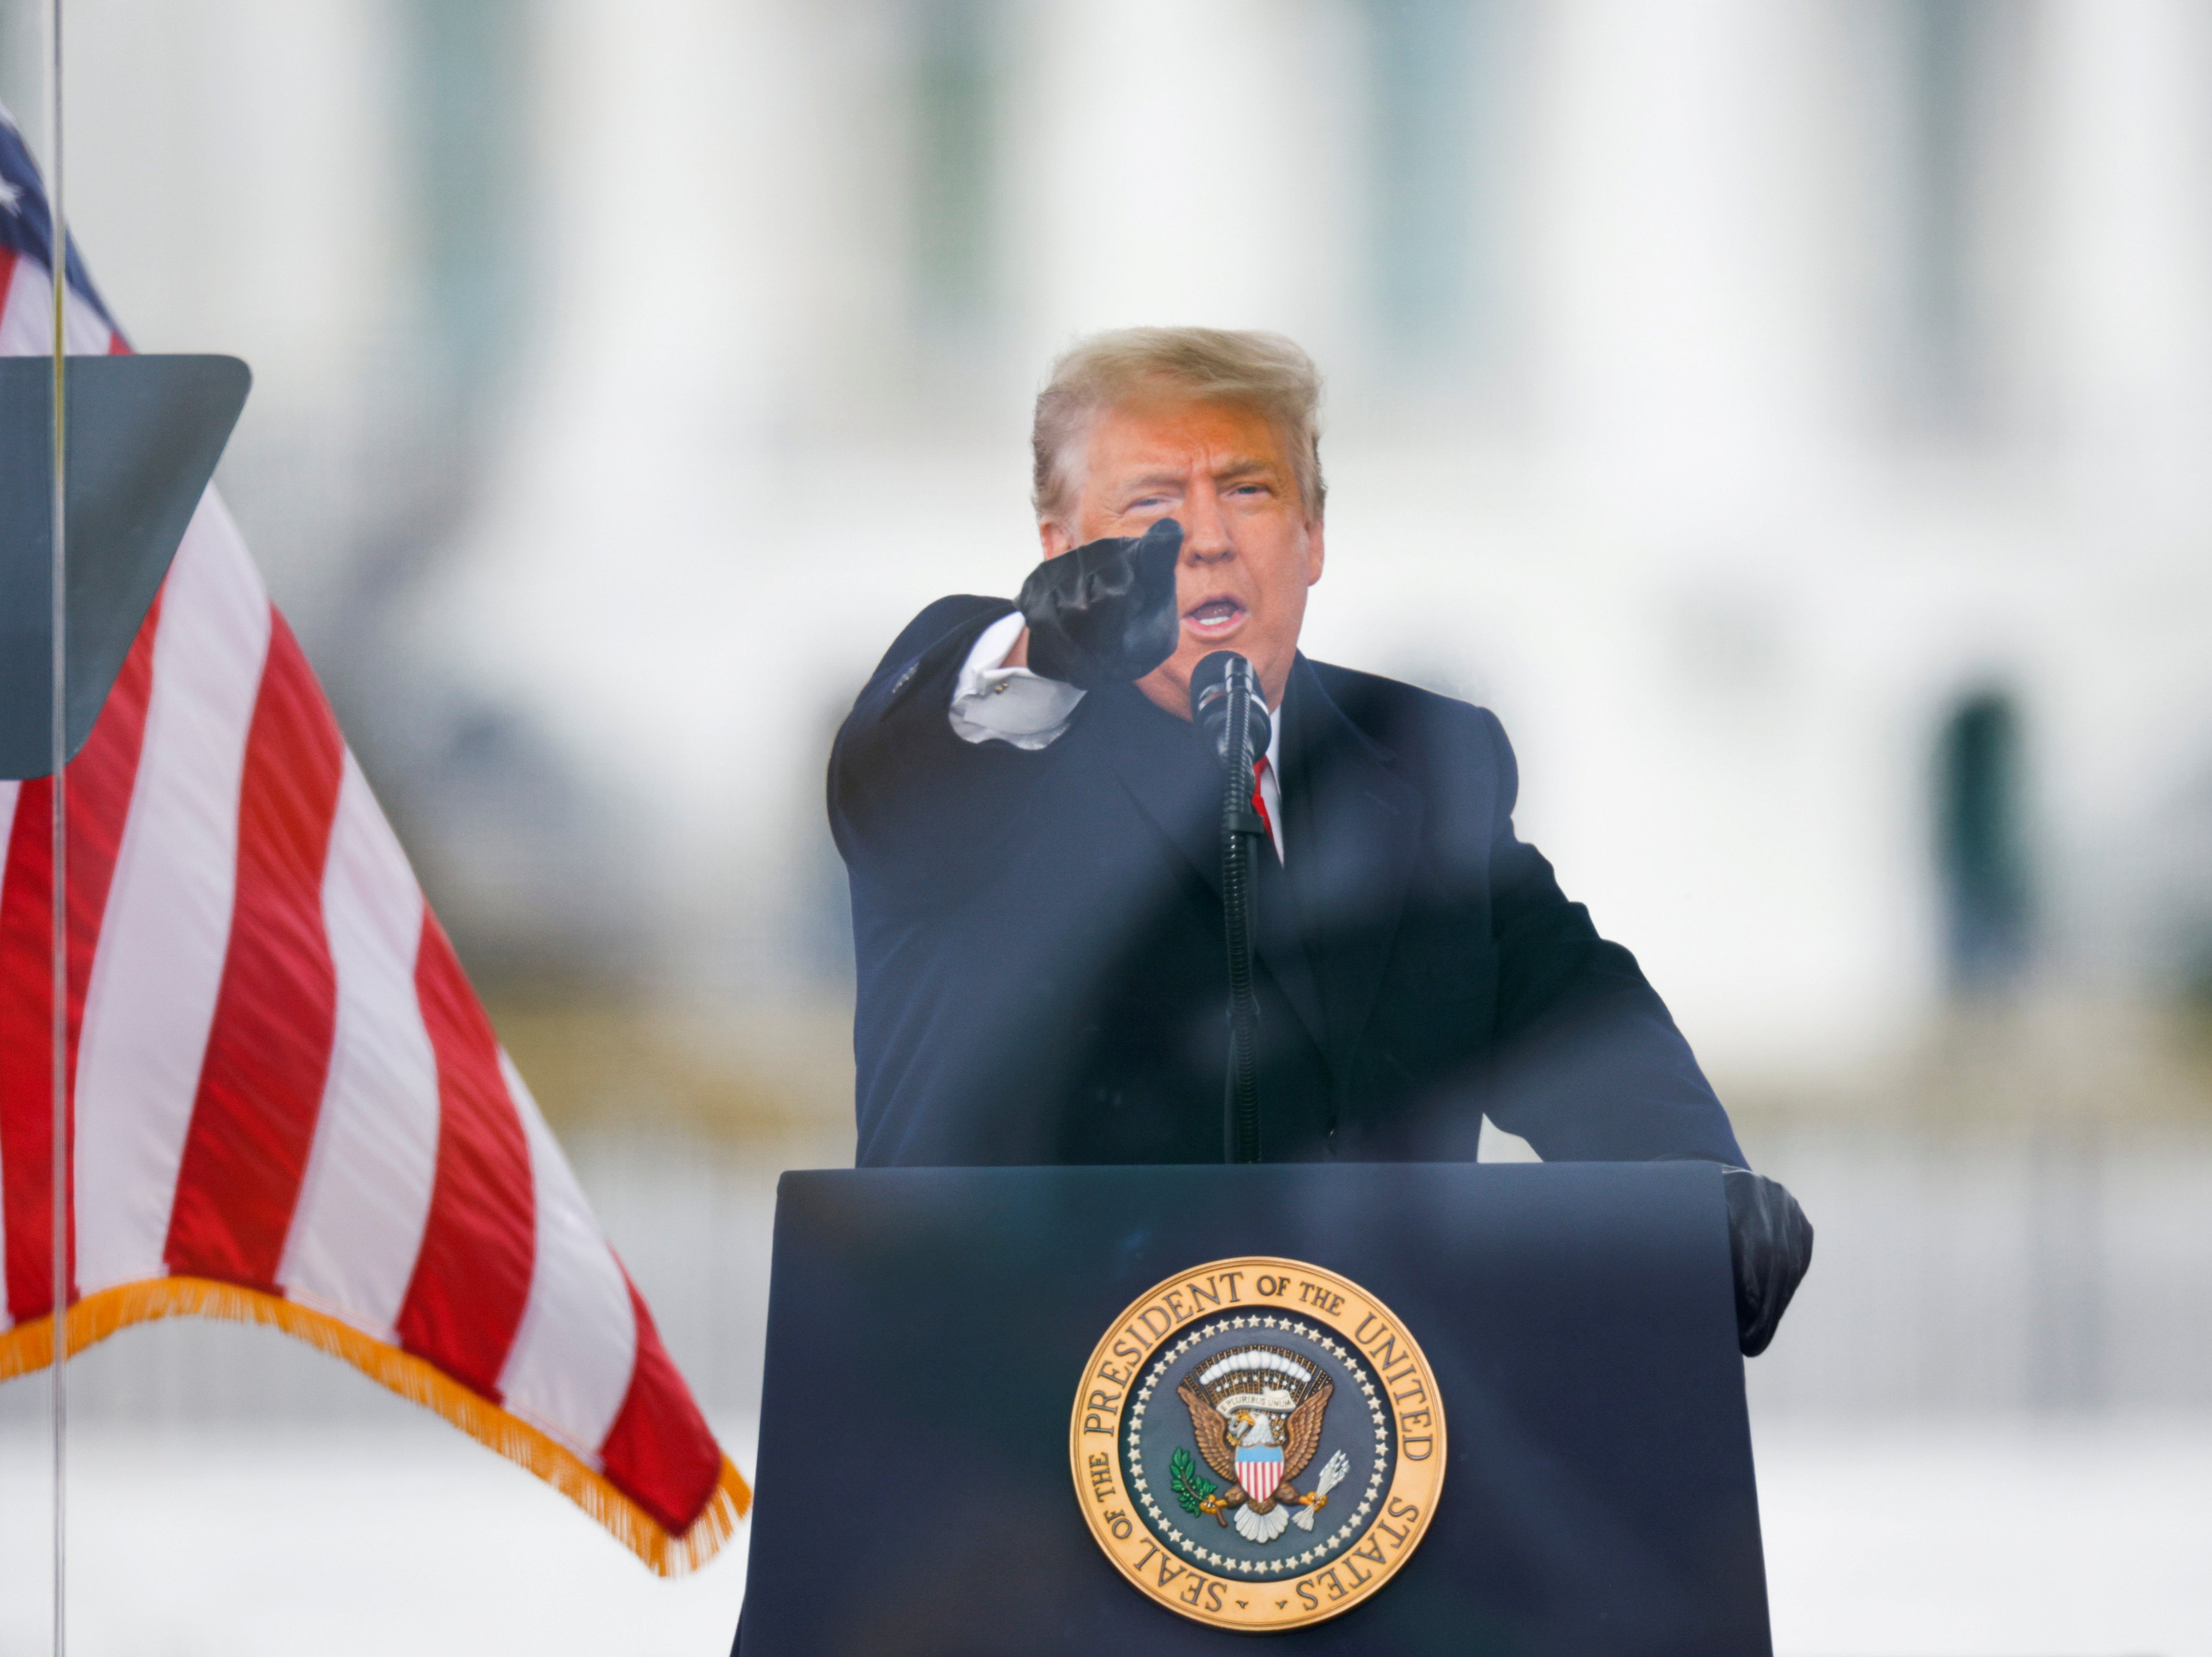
{"x":929,"y":1330}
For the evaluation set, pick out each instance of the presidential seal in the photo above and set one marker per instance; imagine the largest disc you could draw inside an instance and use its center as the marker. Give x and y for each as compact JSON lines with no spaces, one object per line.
{"x":1258,"y":1444}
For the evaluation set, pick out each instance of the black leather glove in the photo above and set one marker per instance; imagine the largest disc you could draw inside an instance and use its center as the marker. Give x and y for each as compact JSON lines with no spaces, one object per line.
{"x":1771,"y":1241}
{"x":1104,"y":613}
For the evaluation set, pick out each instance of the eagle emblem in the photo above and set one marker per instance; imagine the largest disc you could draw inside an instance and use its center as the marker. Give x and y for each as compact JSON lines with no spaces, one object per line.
{"x":1256,"y":1413}
{"x":1220,"y":1416}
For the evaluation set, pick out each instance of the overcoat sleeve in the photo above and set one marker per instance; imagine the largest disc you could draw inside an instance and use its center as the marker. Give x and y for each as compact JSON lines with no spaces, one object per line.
{"x":1587,"y":1064}
{"x":915,"y":809}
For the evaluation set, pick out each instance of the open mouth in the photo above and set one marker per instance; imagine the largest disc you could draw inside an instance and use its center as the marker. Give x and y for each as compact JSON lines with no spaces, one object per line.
{"x":1214,"y":618}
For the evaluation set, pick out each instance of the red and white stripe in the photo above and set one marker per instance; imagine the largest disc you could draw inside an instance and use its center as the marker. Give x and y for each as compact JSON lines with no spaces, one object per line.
{"x":282,"y":1079}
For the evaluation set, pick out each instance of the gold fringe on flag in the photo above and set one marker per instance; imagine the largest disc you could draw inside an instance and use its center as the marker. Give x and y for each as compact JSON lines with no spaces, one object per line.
{"x":30,"y":1346}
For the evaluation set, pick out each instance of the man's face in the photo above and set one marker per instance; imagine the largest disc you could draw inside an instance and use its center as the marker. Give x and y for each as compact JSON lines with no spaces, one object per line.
{"x":1249,"y":552}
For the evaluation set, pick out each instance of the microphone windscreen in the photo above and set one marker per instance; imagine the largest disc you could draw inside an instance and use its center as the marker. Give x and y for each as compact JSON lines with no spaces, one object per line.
{"x":1210,"y":682}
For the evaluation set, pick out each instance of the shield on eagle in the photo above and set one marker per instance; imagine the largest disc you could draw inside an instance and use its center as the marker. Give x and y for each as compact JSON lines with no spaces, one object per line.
{"x":1258,"y":1470}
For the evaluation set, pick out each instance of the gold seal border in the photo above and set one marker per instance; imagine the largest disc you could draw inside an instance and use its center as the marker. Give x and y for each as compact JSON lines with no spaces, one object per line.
{"x":1109,"y":1381}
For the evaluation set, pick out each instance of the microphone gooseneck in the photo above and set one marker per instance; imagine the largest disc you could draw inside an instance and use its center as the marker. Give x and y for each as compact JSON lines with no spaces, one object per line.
{"x":1226,"y":704}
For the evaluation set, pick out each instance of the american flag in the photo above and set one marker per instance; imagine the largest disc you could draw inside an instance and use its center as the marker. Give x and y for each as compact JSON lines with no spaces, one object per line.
{"x":289,"y":1105}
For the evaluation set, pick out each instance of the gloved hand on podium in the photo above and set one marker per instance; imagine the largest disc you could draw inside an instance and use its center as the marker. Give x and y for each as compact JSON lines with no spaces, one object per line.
{"x":1771,"y":1241}
{"x":1104,"y":613}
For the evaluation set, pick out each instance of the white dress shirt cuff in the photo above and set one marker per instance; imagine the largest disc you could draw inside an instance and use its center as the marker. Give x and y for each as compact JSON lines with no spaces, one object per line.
{"x":991,"y":703}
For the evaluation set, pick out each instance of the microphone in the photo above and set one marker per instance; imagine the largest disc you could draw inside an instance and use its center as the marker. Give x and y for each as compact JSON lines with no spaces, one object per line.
{"x":1217,"y":685}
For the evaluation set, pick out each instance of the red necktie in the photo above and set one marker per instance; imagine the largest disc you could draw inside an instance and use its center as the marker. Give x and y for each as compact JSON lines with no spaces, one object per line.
{"x":1258,"y":798}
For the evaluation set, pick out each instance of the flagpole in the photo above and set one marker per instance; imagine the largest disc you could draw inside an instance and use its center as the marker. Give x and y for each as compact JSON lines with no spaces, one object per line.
{"x":58,"y":598}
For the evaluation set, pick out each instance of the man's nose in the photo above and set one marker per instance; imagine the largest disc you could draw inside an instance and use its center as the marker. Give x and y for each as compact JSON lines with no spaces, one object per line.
{"x":1206,"y":528}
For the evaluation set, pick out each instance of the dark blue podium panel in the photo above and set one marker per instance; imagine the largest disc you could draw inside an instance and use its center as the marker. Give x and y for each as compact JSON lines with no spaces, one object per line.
{"x":928,"y":1327}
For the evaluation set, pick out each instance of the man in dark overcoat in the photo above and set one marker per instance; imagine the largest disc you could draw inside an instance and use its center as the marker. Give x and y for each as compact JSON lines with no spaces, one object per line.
{"x":1031,"y":819}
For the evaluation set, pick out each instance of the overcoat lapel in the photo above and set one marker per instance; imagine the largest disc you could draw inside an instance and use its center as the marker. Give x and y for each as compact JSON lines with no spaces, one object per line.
{"x":1172,"y":775}
{"x":1352,"y":827}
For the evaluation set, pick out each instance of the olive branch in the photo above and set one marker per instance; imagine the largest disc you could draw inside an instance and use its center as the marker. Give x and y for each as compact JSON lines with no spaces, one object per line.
{"x":1191,"y":1488}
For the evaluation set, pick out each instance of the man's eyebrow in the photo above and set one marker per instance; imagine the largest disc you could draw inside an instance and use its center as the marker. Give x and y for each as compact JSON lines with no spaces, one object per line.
{"x":1240,"y":466}
{"x":1150,"y":479}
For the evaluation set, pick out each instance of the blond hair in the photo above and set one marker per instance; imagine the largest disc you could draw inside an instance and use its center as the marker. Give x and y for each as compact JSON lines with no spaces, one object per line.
{"x":1266,"y":373}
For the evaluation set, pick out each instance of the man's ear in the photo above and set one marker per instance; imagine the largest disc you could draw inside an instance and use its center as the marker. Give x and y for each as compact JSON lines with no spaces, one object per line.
{"x":1316,"y":552}
{"x":1054,"y":539}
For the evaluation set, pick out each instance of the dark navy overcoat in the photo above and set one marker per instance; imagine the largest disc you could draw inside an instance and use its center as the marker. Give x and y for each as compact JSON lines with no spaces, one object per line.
{"x":1041,"y":973}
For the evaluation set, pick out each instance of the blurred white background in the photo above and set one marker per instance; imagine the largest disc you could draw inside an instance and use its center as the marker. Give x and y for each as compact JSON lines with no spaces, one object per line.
{"x":1789,"y":414}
